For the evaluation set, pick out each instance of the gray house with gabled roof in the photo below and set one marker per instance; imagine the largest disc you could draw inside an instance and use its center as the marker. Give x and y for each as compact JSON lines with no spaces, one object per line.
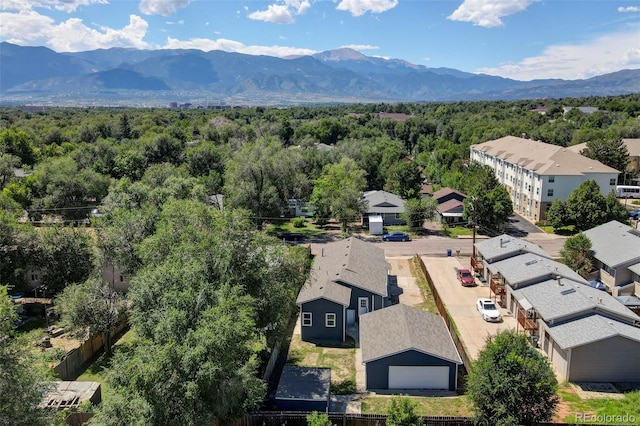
{"x":385,"y":204}
{"x":348,"y":278}
{"x":616,"y":249}
{"x":415,"y":350}
{"x":578,"y":327}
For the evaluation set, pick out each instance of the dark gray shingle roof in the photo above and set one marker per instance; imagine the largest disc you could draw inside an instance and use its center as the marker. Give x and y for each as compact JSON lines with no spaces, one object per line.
{"x":399,"y":328}
{"x":351,"y":261}
{"x":613,"y":244}
{"x":304,"y":383}
{"x":591,"y":329}
{"x":553,"y":301}
{"x":529,"y":267}
{"x":505,"y":246}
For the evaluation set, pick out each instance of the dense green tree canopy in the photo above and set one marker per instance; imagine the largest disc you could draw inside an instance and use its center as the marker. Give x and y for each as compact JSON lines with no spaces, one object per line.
{"x":338,"y":191}
{"x":577,"y":255}
{"x":22,"y":383}
{"x":512,"y":383}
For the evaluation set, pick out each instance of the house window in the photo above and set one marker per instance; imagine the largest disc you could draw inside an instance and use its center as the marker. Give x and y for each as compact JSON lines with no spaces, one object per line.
{"x":552,"y":179}
{"x":306,"y":319}
{"x":121,"y":279}
{"x":330,"y":320}
{"x":34,"y":277}
{"x":549,"y":192}
{"x":612,"y":181}
{"x":397,"y":215}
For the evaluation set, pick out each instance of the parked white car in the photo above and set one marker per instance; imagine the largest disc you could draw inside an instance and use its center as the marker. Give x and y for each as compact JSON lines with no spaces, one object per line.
{"x":488,"y":310}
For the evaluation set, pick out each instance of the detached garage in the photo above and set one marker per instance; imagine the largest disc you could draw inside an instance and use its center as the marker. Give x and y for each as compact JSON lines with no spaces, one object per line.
{"x":406,"y":348}
{"x":304,"y":389}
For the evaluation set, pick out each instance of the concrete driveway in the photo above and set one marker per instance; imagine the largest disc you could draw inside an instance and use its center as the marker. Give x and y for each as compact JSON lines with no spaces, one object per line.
{"x":400,"y":267}
{"x":461,"y":302}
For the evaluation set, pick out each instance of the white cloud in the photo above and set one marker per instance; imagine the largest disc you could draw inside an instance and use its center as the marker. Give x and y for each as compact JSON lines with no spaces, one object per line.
{"x":32,"y":29}
{"x":283,"y":12}
{"x":63,"y":5}
{"x":629,"y":9}
{"x":605,"y":54}
{"x":161,"y":7}
{"x":360,"y":47}
{"x":235,"y":46}
{"x":360,"y":7}
{"x":488,"y":13}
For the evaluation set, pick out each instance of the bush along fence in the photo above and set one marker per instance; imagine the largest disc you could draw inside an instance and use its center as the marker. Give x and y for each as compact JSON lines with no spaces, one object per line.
{"x":466,"y":360}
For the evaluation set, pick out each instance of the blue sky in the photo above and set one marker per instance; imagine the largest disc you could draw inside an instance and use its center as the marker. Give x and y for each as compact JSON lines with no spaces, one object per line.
{"x":521,"y":39}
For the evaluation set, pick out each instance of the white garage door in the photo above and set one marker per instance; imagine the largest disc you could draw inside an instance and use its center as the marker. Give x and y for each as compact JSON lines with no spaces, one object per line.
{"x":402,"y":377}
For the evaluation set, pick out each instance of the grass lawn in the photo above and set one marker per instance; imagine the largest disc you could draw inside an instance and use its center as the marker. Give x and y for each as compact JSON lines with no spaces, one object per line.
{"x":341,"y":360}
{"x":96,"y":371}
{"x":565,"y":231}
{"x":457,"y":231}
{"x":310,"y":229}
{"x":427,"y":406}
{"x":571,"y":404}
{"x":429,"y":305}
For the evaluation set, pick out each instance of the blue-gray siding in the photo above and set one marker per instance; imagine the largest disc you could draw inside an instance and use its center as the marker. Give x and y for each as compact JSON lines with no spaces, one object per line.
{"x":377,"y":372}
{"x":319,"y":332}
{"x":375,"y":301}
{"x":612,"y":360}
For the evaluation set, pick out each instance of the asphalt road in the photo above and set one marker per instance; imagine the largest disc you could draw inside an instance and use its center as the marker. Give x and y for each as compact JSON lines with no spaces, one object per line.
{"x":438,"y":246}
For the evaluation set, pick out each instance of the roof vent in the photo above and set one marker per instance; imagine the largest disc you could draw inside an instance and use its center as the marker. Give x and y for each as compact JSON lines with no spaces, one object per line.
{"x":568,"y":291}
{"x":531,"y":262}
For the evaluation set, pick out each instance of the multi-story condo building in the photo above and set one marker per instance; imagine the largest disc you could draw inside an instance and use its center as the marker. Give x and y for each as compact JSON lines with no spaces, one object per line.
{"x":536,"y":173}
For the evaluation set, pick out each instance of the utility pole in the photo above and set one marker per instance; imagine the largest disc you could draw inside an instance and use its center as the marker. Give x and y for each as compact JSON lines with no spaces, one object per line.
{"x":473,"y":224}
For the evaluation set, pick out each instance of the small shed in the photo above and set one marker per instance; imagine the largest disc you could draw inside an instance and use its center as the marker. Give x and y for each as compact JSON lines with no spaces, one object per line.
{"x":375,"y":224}
{"x":71,"y":394}
{"x":304,"y":389}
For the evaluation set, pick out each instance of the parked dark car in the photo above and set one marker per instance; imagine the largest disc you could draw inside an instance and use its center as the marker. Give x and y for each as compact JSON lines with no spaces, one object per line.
{"x":290,"y":236}
{"x":396,"y":236}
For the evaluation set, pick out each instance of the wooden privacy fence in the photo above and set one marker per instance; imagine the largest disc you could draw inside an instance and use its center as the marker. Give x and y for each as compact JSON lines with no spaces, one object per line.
{"x":278,"y":418}
{"x":74,"y":360}
{"x":466,"y":360}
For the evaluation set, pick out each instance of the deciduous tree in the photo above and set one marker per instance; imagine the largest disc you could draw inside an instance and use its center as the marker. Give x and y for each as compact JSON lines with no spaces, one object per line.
{"x":339,"y":191}
{"x":512,"y":383}
{"x":577,"y":255}
{"x":91,"y":308}
{"x":22,"y":383}
{"x":416,"y":211}
{"x":610,"y":151}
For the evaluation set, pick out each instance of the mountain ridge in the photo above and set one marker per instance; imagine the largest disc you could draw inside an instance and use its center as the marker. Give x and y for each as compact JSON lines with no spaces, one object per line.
{"x":155,"y":77}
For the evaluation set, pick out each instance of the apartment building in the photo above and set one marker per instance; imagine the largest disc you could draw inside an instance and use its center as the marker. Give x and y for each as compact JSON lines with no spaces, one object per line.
{"x":536,"y":173}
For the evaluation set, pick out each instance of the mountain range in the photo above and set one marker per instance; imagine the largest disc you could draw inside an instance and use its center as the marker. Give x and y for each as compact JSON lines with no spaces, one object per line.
{"x":132,"y":77}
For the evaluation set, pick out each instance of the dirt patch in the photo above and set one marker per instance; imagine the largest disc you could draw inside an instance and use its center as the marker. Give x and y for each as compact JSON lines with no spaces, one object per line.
{"x":411,"y":294}
{"x":310,"y":359}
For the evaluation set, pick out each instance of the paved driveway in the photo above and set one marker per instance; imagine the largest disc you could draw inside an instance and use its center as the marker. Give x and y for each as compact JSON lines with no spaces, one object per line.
{"x":461,"y":301}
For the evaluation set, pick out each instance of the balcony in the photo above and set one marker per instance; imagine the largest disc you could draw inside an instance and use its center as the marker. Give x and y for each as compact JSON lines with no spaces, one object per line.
{"x":477,"y":265}
{"x":528,"y":323}
{"x":496,"y":285}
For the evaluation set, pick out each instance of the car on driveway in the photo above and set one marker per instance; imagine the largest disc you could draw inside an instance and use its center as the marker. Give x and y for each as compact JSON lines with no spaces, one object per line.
{"x":488,"y":310}
{"x":466,"y":277}
{"x":396,"y":236}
